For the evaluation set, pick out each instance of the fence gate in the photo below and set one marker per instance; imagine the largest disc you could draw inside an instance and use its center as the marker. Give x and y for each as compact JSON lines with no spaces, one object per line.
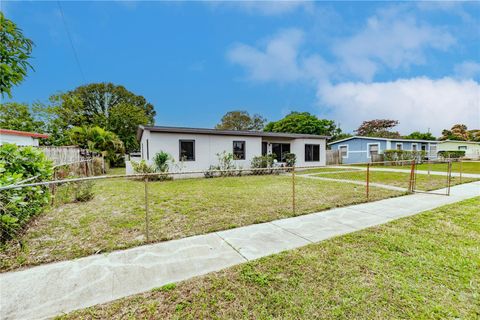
{"x":434,"y":177}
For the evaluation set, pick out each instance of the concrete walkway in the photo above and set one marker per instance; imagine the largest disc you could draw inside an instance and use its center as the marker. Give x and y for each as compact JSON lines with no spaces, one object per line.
{"x":435,"y":173}
{"x":52,"y":289}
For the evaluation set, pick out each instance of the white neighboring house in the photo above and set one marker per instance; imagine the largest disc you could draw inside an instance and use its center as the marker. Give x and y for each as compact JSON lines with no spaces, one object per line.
{"x":199,"y":147}
{"x":21,"y":138}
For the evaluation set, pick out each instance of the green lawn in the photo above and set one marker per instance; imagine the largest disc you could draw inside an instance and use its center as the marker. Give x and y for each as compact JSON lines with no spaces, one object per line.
{"x":421,"y":267}
{"x":398,"y":179}
{"x":465,"y":167}
{"x":324,"y":170}
{"x":115,"y":218}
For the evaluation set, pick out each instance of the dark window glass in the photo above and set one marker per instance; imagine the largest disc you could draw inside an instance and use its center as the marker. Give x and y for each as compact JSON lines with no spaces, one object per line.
{"x":148,"y":151}
{"x":264,"y":148}
{"x":312,"y":152}
{"x":280,"y":150}
{"x":239,"y":150}
{"x":187,"y":150}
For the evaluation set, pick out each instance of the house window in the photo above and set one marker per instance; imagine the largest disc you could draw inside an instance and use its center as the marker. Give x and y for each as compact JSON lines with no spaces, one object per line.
{"x":414,"y":147}
{"x":433,"y":150}
{"x":462,"y":148}
{"x":279,"y":150}
{"x":187,"y":150}
{"x":399,"y":146}
{"x":343,"y":151}
{"x":239,"y":150}
{"x":264,"y":148}
{"x":312,"y":152}
{"x":373,"y":150}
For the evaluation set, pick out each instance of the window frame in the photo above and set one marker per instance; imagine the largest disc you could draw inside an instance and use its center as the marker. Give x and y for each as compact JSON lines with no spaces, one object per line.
{"x":416,"y":147}
{"x":369,"y":155}
{"x":462,"y":148}
{"x":312,"y":152}
{"x":180,"y":141}
{"x":244,"y":149}
{"x":281,"y":150}
{"x":346,"y":154}
{"x":397,"y":144}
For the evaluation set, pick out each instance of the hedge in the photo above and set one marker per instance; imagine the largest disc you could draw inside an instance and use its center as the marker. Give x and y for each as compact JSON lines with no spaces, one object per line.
{"x":17,"y":206}
{"x":451,"y":154}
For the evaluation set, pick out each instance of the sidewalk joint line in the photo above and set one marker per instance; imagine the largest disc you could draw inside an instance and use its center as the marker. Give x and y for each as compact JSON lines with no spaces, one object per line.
{"x":291,"y":232}
{"x":231,"y":246}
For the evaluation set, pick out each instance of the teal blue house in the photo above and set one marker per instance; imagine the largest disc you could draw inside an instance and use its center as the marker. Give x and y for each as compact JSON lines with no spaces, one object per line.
{"x":358,"y":149}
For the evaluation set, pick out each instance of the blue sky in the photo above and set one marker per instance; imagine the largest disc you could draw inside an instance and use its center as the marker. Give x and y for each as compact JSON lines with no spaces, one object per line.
{"x":347,"y":61}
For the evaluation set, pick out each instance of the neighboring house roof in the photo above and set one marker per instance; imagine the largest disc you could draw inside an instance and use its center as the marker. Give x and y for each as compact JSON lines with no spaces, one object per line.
{"x":459,"y":141}
{"x":227,"y":132}
{"x":384,"y":139}
{"x":23,"y":133}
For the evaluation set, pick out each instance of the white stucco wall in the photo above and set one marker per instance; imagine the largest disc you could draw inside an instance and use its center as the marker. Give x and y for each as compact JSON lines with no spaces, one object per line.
{"x":208,"y":146}
{"x":18,"y":140}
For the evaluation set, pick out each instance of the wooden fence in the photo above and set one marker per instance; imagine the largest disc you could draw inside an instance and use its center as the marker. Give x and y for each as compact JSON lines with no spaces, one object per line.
{"x":63,"y":154}
{"x":333,"y":157}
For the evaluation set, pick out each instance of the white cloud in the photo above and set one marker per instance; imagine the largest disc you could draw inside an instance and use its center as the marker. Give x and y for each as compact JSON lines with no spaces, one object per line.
{"x":277,"y":61}
{"x":467,"y":69}
{"x":418,"y":103}
{"x":269,"y":8}
{"x":390,"y":39}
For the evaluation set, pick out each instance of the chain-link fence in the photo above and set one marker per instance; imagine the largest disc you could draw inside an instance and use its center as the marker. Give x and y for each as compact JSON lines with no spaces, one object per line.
{"x":94,"y":214}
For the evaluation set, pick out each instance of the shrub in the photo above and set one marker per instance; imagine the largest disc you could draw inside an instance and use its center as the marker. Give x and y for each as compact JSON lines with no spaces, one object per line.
{"x":260,"y":162}
{"x":142,"y":167}
{"x":161,"y":161}
{"x":290,"y":159}
{"x":226,"y":167}
{"x":18,"y":206}
{"x":403,"y":155}
{"x":451,"y":154}
{"x":81,"y":191}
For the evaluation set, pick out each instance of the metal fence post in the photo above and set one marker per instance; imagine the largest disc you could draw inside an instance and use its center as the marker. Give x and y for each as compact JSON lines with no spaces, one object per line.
{"x":368,"y":180}
{"x":147,"y":218}
{"x":460,"y":165}
{"x":449,"y":177}
{"x":411,"y":186}
{"x":293,"y":190}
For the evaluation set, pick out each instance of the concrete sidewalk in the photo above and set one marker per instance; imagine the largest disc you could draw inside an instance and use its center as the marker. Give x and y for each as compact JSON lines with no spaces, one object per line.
{"x":435,"y":173}
{"x":361,"y":183}
{"x":52,"y":289}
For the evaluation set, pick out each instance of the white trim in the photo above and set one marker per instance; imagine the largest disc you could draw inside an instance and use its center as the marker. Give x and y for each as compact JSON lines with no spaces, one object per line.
{"x":398,"y":143}
{"x":385,"y":139}
{"x":411,"y":146}
{"x":368,"y":149}
{"x":343,"y":145}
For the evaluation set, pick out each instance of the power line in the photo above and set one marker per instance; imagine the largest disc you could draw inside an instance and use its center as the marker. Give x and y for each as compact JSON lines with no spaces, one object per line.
{"x":71,"y":42}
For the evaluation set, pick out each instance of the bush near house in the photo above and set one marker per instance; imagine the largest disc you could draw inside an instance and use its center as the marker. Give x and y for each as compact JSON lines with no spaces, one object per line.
{"x":451,"y":154}
{"x":17,"y":206}
{"x":402,"y":155}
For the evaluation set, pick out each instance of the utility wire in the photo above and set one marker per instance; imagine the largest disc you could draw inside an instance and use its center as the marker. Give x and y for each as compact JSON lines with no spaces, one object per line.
{"x":71,"y":42}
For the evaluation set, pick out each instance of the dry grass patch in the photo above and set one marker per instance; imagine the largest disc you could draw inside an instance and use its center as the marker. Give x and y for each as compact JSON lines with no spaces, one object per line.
{"x":115,"y":218}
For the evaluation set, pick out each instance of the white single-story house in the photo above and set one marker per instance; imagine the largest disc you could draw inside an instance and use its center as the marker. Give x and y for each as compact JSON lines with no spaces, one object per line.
{"x":21,"y":138}
{"x":196,"y":149}
{"x":471,"y":148}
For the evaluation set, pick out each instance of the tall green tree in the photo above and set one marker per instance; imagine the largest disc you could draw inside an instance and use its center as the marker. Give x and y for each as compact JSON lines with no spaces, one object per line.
{"x":17,"y":116}
{"x":241,"y":120}
{"x":124,"y":120}
{"x":457,"y":132}
{"x":304,"y":122}
{"x":96,"y":139}
{"x":105,"y":105}
{"x":15,"y":50}
{"x":378,"y":128}
{"x":417,"y":135}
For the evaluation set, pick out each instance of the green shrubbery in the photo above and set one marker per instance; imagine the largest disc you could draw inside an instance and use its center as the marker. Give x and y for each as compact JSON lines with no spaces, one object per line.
{"x":403,"y":155}
{"x":17,"y":206}
{"x":451,"y":154}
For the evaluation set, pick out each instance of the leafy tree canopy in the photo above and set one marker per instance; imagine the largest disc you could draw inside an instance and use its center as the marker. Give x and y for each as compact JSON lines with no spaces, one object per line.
{"x":96,"y":139}
{"x":105,"y":105}
{"x":241,"y":120}
{"x":15,"y":50}
{"x":304,"y":122}
{"x":460,"y":132}
{"x":17,"y":116}
{"x":378,"y":128}
{"x":417,"y":135}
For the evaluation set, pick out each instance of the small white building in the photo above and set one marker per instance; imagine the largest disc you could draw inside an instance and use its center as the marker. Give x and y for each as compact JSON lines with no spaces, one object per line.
{"x":197,"y":149}
{"x":21,"y":138}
